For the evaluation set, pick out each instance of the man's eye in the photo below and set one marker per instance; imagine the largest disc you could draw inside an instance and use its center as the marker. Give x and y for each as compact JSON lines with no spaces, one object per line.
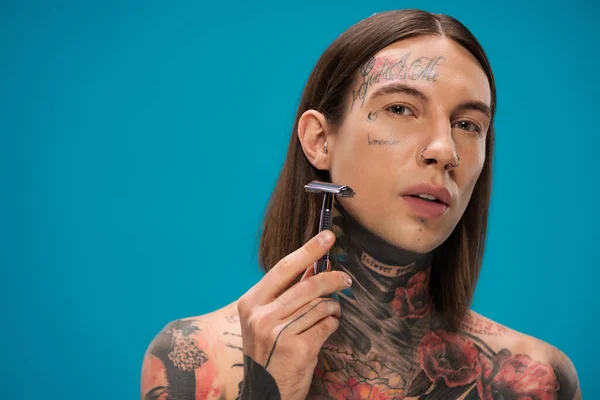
{"x":468,"y":126}
{"x":400,"y":110}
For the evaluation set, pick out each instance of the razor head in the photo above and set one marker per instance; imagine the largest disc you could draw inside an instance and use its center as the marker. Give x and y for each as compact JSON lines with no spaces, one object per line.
{"x":327,"y":187}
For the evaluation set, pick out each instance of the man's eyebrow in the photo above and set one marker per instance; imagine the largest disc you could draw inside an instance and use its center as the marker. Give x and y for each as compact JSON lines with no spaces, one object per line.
{"x":399,"y":88}
{"x":393,"y":88}
{"x":477,"y":106}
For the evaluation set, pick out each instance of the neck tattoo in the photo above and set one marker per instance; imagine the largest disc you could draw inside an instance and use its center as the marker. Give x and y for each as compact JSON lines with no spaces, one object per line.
{"x":392,"y":344}
{"x":385,"y":314}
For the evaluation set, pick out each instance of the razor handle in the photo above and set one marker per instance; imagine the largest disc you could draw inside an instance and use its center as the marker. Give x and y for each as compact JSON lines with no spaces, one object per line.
{"x":325,"y":222}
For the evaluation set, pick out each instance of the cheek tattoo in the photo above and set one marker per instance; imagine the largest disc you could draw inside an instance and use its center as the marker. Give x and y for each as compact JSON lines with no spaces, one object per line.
{"x":379,"y":142}
{"x":372,"y":117}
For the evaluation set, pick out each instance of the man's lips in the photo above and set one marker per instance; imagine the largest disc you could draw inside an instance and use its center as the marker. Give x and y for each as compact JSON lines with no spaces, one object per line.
{"x":428,"y":200}
{"x":425,"y":208}
{"x":441,"y":194}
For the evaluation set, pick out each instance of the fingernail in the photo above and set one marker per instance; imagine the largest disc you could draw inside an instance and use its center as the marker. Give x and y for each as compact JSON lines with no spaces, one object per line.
{"x":324,"y":237}
{"x":348,"y":280}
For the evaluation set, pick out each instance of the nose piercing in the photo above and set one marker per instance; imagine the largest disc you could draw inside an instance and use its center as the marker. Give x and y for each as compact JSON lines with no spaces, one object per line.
{"x":457,"y":164}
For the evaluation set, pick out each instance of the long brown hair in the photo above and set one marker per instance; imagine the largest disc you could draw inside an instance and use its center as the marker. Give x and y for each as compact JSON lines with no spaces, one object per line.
{"x":292,"y":216}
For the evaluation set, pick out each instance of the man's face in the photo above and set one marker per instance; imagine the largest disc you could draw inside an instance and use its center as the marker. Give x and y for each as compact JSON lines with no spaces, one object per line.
{"x":424,"y":92}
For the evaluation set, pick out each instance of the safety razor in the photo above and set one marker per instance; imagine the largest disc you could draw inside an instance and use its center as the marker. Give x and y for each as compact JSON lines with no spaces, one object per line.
{"x":325,"y":221}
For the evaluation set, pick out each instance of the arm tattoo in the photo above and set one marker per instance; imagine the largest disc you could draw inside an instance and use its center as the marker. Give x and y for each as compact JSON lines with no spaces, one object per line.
{"x":181,"y":356}
{"x":233,"y":319}
{"x":258,"y":383}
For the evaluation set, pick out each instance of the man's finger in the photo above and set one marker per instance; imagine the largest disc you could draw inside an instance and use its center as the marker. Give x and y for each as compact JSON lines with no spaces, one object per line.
{"x":283,"y":274}
{"x":310,"y":271}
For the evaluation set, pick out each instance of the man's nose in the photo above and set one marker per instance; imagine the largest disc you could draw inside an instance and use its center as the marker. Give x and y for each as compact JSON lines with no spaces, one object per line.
{"x":440,"y":149}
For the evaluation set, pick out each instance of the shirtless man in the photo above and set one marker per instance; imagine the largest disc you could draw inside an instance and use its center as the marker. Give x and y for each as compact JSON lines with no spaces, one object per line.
{"x":412,"y":133}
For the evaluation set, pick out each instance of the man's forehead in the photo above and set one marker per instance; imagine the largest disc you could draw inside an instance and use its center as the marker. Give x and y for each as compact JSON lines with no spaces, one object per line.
{"x":397,"y":54}
{"x":425,"y":45}
{"x":451,"y":55}
{"x":422,"y":62}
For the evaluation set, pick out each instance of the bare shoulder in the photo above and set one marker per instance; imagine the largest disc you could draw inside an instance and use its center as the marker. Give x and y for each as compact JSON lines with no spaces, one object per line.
{"x":195,"y":358}
{"x":518,"y":359}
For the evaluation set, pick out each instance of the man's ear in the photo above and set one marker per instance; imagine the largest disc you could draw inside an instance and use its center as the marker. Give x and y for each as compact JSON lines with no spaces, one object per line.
{"x":313,"y":132}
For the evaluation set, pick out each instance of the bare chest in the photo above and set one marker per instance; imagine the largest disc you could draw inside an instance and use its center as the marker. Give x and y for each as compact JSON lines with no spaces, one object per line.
{"x":441,"y":366}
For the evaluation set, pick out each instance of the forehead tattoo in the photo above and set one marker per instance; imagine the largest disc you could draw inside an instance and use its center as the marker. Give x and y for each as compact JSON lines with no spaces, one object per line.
{"x":386,"y":69}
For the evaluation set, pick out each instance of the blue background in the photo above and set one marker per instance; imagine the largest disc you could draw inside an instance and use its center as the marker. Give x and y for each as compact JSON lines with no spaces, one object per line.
{"x":113,"y":117}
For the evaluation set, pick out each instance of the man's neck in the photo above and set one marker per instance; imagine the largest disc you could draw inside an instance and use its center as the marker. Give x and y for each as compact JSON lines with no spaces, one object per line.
{"x":389,"y":307}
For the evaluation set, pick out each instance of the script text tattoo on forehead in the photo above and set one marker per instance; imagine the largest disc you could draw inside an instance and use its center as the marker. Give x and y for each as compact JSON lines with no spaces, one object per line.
{"x":386,"y":69}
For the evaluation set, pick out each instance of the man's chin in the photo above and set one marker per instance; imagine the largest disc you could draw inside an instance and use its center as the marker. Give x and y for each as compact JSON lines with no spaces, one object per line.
{"x":420,"y":247}
{"x":416,"y":239}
